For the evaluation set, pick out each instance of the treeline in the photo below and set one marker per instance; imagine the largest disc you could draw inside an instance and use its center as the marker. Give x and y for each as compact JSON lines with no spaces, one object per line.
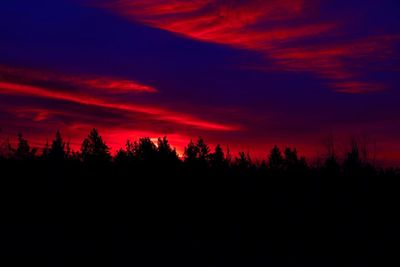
{"x":147,"y":206}
{"x":198,"y":156}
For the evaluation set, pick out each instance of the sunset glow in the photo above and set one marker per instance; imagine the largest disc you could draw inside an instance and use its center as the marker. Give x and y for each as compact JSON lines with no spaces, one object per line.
{"x":244,"y":74}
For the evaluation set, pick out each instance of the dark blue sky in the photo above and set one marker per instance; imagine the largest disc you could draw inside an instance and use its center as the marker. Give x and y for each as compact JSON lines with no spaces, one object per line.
{"x":248,"y":74}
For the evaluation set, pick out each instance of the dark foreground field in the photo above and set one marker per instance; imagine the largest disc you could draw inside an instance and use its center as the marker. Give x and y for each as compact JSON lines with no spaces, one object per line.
{"x":70,"y":213}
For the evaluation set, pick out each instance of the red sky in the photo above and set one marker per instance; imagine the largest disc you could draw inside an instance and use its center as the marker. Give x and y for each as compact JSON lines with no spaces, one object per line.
{"x":245,"y":74}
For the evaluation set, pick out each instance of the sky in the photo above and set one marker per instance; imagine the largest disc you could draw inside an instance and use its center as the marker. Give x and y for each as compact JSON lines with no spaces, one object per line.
{"x":247,"y":74}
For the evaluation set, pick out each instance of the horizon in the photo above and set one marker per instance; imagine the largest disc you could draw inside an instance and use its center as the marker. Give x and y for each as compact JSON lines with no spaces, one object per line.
{"x":340,"y":151}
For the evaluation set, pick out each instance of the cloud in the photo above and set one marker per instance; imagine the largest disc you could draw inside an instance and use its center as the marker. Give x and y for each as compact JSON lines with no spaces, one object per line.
{"x":357,"y":87}
{"x":290,"y":32}
{"x":28,"y":83}
{"x":113,"y":85}
{"x":342,"y":64}
{"x":218,"y":21}
{"x":84,"y":99}
{"x":105,"y":84}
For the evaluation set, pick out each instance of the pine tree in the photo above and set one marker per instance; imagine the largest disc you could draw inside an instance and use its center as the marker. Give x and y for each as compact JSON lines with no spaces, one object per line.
{"x":57,"y":150}
{"x":217,"y":159}
{"x":94,"y":149}
{"x":191,"y":152}
{"x":165,"y":151}
{"x":243,"y":162}
{"x":275,"y":159}
{"x":203,"y":150}
{"x":23,"y":150}
{"x":46,"y":150}
{"x":291,"y":160}
{"x":146,"y":150}
{"x":6,"y":150}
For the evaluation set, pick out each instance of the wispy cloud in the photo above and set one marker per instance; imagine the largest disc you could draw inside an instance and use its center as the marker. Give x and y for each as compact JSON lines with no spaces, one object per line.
{"x":114,"y":85}
{"x":110,"y":85}
{"x":30,"y":85}
{"x":289,"y":32}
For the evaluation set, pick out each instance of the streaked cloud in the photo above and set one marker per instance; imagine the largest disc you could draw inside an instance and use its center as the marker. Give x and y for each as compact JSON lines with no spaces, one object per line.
{"x":292,"y":33}
{"x":31,"y":85}
{"x":247,"y":74}
{"x":106,"y":84}
{"x":114,"y":86}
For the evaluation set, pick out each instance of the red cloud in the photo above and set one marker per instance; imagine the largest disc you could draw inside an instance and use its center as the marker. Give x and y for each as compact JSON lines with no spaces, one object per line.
{"x":218,"y":21}
{"x":357,"y":87}
{"x":114,"y":85}
{"x":35,"y":114}
{"x":340,"y":63}
{"x":74,"y":105}
{"x":275,"y":28}
{"x":106,"y":84}
{"x":85,"y":99}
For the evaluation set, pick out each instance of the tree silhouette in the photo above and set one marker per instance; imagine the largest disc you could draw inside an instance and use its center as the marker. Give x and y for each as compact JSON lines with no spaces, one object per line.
{"x":217,"y":159}
{"x":222,"y":199}
{"x":6,"y":150}
{"x":23,"y":150}
{"x":203,"y":150}
{"x":57,"y":150}
{"x":146,"y":150}
{"x":292,"y":162}
{"x":291,"y":158}
{"x":203,"y":154}
{"x":165,"y":151}
{"x":94,"y":149}
{"x":197,"y":155}
{"x":332,"y":166}
{"x":228,"y":156}
{"x":275,"y":159}
{"x":46,"y":150}
{"x":191,"y":152}
{"x":243,"y":162}
{"x":68,"y":151}
{"x":121,"y":156}
{"x":352,"y":162}
{"x":130,"y":149}
{"x":127,"y":155}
